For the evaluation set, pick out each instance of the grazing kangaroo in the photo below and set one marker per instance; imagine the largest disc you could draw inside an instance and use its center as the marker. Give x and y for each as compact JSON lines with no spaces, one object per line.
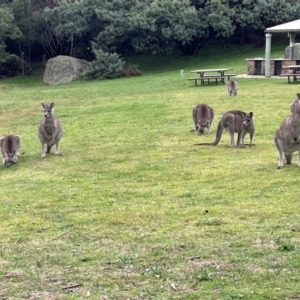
{"x":235,"y":121}
{"x":295,"y":103}
{"x":10,"y":145}
{"x":232,"y":87}
{"x":287,"y":138}
{"x":203,"y":116}
{"x":50,"y":130}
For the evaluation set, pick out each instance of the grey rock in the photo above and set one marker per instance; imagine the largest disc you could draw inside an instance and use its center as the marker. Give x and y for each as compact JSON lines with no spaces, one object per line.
{"x":64,"y":69}
{"x":296,"y":51}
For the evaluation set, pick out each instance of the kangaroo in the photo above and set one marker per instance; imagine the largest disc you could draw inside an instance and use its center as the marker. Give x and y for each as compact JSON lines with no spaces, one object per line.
{"x":203,"y":116}
{"x":295,"y":103}
{"x":232,"y":87}
{"x":50,"y":130}
{"x":235,"y":121}
{"x":10,"y":145}
{"x":287,"y":138}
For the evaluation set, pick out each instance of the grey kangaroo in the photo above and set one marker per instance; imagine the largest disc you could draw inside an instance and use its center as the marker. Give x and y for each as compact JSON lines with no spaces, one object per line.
{"x":294,"y":105}
{"x":235,"y":121}
{"x":287,"y":138}
{"x":10,"y":145}
{"x":50,"y":130}
{"x":232,"y":87}
{"x":203,"y":116}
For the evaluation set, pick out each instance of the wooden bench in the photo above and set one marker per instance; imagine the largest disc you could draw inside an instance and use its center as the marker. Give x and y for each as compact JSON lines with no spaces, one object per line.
{"x":229,"y":75}
{"x":295,"y":76}
{"x":208,"y":78}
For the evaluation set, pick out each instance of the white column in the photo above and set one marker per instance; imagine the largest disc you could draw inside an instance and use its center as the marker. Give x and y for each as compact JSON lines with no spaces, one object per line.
{"x":292,"y":45}
{"x":268,"y":55}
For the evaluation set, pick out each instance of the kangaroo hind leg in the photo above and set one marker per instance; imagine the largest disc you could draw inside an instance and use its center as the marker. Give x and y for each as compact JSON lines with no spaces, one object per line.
{"x":288,"y":158}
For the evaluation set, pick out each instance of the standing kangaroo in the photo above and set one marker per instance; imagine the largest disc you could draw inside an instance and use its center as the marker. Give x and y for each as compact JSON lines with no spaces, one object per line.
{"x":287,"y":138}
{"x":295,"y":103}
{"x":232,"y":87}
{"x":235,"y":121}
{"x":50,"y":130}
{"x":203,"y":116}
{"x":10,"y":145}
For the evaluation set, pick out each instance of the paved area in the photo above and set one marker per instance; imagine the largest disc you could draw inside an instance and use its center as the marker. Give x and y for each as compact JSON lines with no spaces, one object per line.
{"x":257,"y":76}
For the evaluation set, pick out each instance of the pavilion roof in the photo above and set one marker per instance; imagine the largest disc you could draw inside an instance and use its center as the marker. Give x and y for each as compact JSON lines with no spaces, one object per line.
{"x":293,"y":26}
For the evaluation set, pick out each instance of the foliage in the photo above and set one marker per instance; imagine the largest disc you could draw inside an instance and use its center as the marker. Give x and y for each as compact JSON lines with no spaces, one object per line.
{"x":106,"y":65}
{"x":66,"y":27}
{"x":22,"y":10}
{"x":251,"y":17}
{"x":7,"y":26}
{"x":130,"y":70}
{"x":12,"y":65}
{"x":114,"y":24}
{"x":286,"y":247}
{"x":70,"y":21}
{"x":8,"y":30}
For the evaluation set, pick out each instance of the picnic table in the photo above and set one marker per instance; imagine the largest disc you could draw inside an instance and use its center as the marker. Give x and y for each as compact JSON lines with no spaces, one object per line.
{"x":219,"y":75}
{"x":295,"y":72}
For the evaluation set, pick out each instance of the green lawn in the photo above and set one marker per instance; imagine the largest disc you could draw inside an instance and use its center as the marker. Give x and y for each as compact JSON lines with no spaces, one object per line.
{"x":133,"y":209}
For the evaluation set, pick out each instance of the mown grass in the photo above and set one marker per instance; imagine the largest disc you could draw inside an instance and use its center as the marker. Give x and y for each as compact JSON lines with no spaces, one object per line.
{"x":133,"y":209}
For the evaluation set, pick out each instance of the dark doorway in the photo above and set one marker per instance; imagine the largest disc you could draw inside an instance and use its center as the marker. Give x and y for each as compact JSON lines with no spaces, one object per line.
{"x":257,"y":65}
{"x":278,"y":67}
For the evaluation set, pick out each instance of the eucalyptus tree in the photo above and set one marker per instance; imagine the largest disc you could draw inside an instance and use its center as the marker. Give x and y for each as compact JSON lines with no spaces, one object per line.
{"x":134,"y":26}
{"x":275,"y":12}
{"x":253,"y":16}
{"x":8,"y":29}
{"x":161,"y":25}
{"x":113,"y":21}
{"x":22,"y":10}
{"x":71,"y":21}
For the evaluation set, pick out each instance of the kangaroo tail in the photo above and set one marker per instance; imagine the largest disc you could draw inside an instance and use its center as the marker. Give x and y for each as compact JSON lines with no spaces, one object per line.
{"x":218,"y":137}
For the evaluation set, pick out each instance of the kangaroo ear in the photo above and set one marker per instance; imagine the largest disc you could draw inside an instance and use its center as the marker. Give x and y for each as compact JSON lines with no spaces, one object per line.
{"x":298,"y":96}
{"x":17,"y":138}
{"x":52,"y":104}
{"x":251,"y":114}
{"x":43,"y":105}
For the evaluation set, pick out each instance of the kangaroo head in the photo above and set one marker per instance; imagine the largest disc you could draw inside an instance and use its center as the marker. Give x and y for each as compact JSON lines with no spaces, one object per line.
{"x":48,"y":110}
{"x":248,"y":120}
{"x":201,"y":126}
{"x":11,"y":158}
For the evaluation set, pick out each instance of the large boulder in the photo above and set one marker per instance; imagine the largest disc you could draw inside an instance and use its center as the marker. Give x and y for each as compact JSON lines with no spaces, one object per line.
{"x":63,"y":69}
{"x":296,"y":51}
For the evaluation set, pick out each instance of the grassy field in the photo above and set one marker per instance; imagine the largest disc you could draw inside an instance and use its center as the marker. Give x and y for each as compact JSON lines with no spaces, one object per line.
{"x":133,"y":209}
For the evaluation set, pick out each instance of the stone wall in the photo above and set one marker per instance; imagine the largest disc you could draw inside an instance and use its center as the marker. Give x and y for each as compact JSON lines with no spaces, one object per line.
{"x":252,"y":66}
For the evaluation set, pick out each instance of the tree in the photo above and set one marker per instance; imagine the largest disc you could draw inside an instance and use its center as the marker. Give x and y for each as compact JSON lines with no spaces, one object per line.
{"x":22,"y":10}
{"x":71,"y":21}
{"x":134,"y":26}
{"x":113,"y":20}
{"x":159,"y":25}
{"x":253,"y":16}
{"x":8,"y":30}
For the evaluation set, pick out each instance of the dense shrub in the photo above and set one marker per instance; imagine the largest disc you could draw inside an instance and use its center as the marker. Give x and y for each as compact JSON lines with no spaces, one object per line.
{"x":13,"y":65}
{"x":130,"y":70}
{"x":106,"y":65}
